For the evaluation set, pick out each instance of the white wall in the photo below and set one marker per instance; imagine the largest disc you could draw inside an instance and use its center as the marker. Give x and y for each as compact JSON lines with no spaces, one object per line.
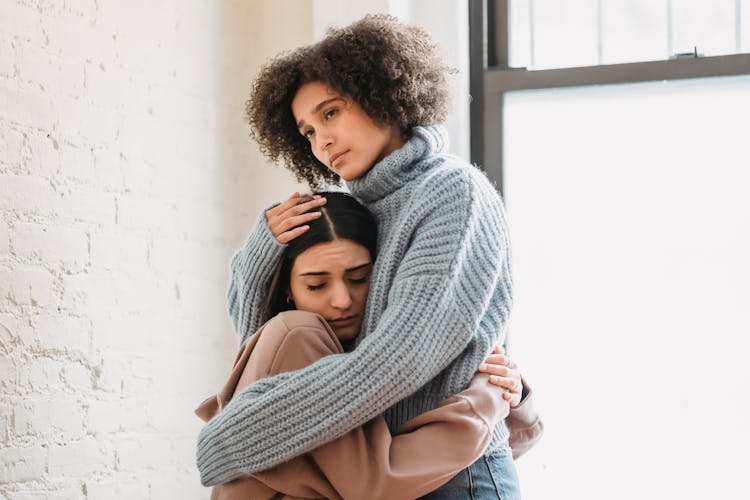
{"x":127,"y":179}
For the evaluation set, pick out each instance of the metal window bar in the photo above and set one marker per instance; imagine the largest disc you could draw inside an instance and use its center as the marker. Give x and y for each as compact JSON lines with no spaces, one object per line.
{"x":491,"y":78}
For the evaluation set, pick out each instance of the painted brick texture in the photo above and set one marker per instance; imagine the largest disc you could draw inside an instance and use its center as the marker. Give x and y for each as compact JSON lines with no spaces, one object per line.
{"x":127,"y":180}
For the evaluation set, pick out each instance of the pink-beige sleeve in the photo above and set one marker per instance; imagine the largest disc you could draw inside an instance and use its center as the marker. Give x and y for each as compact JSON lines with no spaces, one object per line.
{"x":524,"y":424}
{"x":427,"y":451}
{"x":367,"y":462}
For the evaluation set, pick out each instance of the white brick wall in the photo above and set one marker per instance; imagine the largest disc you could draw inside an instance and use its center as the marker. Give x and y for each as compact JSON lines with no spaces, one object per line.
{"x":22,"y":464}
{"x":127,"y":179}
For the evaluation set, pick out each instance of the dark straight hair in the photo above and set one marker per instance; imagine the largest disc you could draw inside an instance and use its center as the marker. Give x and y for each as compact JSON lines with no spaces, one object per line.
{"x":343,"y":218}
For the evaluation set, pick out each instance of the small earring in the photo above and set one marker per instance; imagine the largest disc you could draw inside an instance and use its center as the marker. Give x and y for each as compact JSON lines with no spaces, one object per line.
{"x":289,"y":301}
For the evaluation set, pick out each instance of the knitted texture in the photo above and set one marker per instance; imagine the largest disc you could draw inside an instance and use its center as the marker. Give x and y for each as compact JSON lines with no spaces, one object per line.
{"x":440,"y":298}
{"x":252,"y":269}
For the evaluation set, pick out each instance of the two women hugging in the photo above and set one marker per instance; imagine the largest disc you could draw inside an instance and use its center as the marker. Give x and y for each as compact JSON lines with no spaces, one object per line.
{"x":370,"y":323}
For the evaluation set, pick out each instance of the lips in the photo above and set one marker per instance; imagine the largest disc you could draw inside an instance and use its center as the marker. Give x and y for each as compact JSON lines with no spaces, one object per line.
{"x":335,"y":157}
{"x":345,"y":321}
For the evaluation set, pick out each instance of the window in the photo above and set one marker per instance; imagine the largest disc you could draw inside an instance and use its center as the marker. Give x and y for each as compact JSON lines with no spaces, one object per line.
{"x":625,"y":175}
{"x":552,"y":34}
{"x":630,"y":223}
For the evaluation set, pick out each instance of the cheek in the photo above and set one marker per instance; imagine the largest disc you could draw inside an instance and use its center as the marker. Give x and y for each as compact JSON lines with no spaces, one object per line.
{"x":309,"y":304}
{"x":315,"y":150}
{"x":305,"y":300}
{"x":361,"y":294}
{"x":321,"y":157}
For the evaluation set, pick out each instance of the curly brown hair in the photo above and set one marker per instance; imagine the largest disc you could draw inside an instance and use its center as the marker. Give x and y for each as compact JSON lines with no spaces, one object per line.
{"x":394,"y":71}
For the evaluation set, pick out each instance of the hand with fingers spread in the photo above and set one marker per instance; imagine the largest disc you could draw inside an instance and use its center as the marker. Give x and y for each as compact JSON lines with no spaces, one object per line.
{"x":504,"y":372}
{"x":288,"y":219}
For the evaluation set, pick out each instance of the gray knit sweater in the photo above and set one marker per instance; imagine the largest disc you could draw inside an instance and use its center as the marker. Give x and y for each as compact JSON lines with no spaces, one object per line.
{"x":439,"y":300}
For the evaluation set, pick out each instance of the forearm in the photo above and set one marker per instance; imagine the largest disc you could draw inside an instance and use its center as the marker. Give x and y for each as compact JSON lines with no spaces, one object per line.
{"x":261,"y":428}
{"x":435,"y":306}
{"x":251,"y":271}
{"x":427,"y":452}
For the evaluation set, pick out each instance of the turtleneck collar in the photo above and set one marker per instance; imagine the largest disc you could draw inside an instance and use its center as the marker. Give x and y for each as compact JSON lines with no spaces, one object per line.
{"x":402,"y":165}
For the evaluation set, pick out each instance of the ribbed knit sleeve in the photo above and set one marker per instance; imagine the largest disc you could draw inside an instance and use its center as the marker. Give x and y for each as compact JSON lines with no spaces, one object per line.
{"x":441,"y":291}
{"x":251,"y":271}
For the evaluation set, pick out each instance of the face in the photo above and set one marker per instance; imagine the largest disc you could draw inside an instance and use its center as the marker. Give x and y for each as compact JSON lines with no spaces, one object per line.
{"x":333,"y":279}
{"x":342,"y":136}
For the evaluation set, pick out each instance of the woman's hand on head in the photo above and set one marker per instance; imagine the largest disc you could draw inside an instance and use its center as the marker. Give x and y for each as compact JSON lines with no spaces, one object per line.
{"x":504,"y":373}
{"x":288,"y":219}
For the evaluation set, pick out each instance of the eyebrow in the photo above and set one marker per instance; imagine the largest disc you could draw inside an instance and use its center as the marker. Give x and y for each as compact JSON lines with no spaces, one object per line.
{"x":325,"y":273}
{"x":317,"y":108}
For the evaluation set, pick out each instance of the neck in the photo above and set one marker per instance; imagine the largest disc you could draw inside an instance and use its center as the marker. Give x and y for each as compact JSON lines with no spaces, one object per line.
{"x":398,"y":139}
{"x":401,"y":165}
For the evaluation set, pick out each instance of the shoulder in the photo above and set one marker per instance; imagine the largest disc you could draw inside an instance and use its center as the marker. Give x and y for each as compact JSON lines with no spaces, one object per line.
{"x":293,"y":340}
{"x":458,"y":184}
{"x":289,"y":323}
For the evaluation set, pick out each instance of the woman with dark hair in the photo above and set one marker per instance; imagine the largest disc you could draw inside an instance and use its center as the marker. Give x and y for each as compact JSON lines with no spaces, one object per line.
{"x":316,"y":307}
{"x":341,"y":218}
{"x":364,"y":105}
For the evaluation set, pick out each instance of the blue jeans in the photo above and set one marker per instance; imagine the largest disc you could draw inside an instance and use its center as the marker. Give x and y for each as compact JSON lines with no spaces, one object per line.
{"x":492,"y":477}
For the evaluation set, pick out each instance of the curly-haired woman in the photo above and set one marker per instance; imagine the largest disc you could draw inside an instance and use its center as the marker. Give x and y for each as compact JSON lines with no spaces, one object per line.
{"x":364,"y":105}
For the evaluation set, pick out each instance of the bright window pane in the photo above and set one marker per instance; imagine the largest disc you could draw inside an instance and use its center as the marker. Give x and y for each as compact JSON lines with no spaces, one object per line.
{"x":630,"y":219}
{"x":709,"y":26}
{"x":547,"y":34}
{"x":519,"y":36}
{"x":745,"y":25}
{"x":565,"y":33}
{"x":634,"y":30}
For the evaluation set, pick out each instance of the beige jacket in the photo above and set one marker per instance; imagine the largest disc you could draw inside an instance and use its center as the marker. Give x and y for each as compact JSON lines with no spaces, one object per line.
{"x":368,"y":462}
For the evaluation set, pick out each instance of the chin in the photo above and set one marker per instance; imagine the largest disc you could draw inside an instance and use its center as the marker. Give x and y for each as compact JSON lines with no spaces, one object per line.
{"x":353,"y":172}
{"x":348,"y":177}
{"x":346,"y":334}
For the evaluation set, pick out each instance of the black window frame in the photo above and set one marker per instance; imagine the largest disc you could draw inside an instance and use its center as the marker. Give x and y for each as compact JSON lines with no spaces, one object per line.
{"x":490,"y":77}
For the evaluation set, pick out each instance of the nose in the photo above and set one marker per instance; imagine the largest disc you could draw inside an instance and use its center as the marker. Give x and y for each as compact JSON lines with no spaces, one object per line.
{"x":325,"y":140}
{"x":341,"y":299}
